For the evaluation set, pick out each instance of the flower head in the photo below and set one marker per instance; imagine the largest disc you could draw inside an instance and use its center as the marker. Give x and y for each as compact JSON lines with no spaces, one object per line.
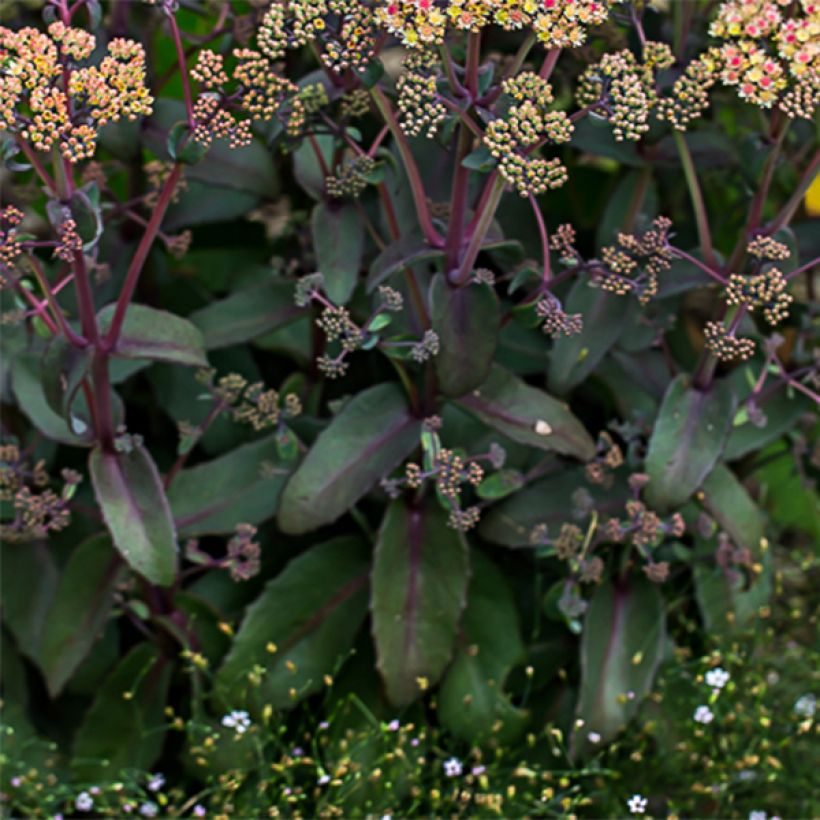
{"x":717,"y":678}
{"x":637,"y":804}
{"x":238,"y":720}
{"x":704,"y":715}
{"x":84,"y":802}
{"x":452,"y":767}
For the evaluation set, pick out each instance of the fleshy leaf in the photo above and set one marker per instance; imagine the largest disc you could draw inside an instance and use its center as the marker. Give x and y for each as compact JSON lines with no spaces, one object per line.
{"x":528,"y":415}
{"x":420,"y":576}
{"x":79,"y":611}
{"x":124,"y":728}
{"x":471,"y":701}
{"x":338,"y":241}
{"x":300,"y":628}
{"x":136,"y":511}
{"x":246,"y":314}
{"x":467,"y":321}
{"x":241,"y":486}
{"x":408,"y":249}
{"x":148,"y":333}
{"x":621,"y":649}
{"x":688,"y":439}
{"x":371,"y":435}
{"x":605,"y":318}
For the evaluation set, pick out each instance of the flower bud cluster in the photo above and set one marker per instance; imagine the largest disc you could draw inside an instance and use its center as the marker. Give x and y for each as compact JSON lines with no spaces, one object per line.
{"x":556,"y":322}
{"x":10,"y":248}
{"x":624,"y":88}
{"x":351,"y":178}
{"x":420,"y":108}
{"x":527,"y":124}
{"x":243,"y":559}
{"x":725,"y":344}
{"x":767,"y":290}
{"x":51,"y":100}
{"x":36,"y":510}
{"x":69,"y":242}
{"x":635,"y":262}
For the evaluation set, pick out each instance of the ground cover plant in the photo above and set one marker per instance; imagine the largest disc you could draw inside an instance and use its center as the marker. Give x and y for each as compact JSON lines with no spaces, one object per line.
{"x":409,"y":408}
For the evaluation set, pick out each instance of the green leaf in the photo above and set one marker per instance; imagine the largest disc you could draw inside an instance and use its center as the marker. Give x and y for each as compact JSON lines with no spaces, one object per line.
{"x":136,"y":511}
{"x":501,"y":484}
{"x":78,"y":614}
{"x":782,"y":412}
{"x":732,"y":507}
{"x":27,"y":384}
{"x":688,"y":439}
{"x":528,"y":415}
{"x":480,"y":160}
{"x":467,"y":321}
{"x":148,"y":333}
{"x":28,"y":583}
{"x":124,"y":728}
{"x":636,"y":197}
{"x":300,"y":628}
{"x":621,"y":649}
{"x":213,"y":497}
{"x":726,"y":599}
{"x":420,"y":576}
{"x":372,"y":434}
{"x":306,"y":166}
{"x":471,"y":700}
{"x":605,"y":316}
{"x":338,"y":242}
{"x":63,"y":369}
{"x":247,"y":314}
{"x":409,"y":249}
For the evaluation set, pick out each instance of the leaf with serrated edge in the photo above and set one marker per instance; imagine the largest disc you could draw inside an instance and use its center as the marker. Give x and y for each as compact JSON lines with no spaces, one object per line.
{"x":136,"y":511}
{"x":373,"y":433}
{"x":300,"y":627}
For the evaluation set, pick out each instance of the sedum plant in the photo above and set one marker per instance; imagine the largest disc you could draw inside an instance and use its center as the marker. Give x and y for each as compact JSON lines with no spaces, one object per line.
{"x":447,"y":356}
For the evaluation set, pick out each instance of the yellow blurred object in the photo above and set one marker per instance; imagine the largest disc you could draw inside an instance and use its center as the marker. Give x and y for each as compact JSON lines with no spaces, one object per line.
{"x":813,"y":198}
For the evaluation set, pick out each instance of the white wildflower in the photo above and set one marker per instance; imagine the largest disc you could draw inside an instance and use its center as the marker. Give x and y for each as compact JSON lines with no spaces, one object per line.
{"x":452,"y":767}
{"x":717,"y":678}
{"x":806,"y":705}
{"x":637,"y":804}
{"x":704,"y":715}
{"x":156,"y":782}
{"x":238,"y":720}
{"x":84,"y":802}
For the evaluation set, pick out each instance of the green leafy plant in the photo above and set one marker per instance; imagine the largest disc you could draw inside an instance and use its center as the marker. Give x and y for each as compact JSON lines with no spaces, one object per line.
{"x":431,"y":363}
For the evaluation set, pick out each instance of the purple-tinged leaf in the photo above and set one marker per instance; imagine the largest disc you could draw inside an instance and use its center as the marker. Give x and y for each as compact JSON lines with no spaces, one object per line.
{"x":81,"y":606}
{"x":621,"y":648}
{"x":419,"y":589}
{"x":247,"y":314}
{"x":136,"y":511}
{"x":373,"y":433}
{"x":472,"y":703}
{"x":467,"y":321}
{"x":124,"y":728}
{"x":338,"y":241}
{"x":528,"y":415}
{"x":689,"y":436}
{"x":300,"y":628}
{"x":148,"y":333}
{"x":409,"y":249}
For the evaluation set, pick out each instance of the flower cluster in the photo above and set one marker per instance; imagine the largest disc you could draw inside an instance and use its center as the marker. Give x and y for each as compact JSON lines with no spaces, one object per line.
{"x":725,"y":344}
{"x":623,"y":89}
{"x":243,"y":553}
{"x":421,"y":110}
{"x":556,"y":23}
{"x":766,"y":290}
{"x":635,"y":262}
{"x":351,"y":178}
{"x":36,"y":509}
{"x":527,"y":125}
{"x":556,"y":321}
{"x":10,"y":247}
{"x":47,"y":97}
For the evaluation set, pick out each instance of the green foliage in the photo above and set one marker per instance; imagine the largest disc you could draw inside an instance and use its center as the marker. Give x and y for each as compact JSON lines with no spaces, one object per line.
{"x":406,"y":411}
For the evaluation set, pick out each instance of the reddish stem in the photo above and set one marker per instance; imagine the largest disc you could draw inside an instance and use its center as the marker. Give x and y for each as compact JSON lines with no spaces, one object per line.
{"x":181,"y":60}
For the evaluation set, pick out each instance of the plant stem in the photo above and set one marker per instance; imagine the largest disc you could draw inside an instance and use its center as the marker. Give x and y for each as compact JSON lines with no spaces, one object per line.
{"x":414,"y":177}
{"x":183,"y":73}
{"x":473,"y":62}
{"x":696,"y":196}
{"x":135,"y":268}
{"x":31,"y":156}
{"x":458,"y":200}
{"x":697,"y":263}
{"x":812,"y":263}
{"x":788,"y":210}
{"x":546,"y":273}
{"x":485,"y":219}
{"x":65,"y":328}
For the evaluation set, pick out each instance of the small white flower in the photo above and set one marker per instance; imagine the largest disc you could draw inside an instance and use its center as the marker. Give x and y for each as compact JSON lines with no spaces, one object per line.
{"x":324,"y":725}
{"x":806,"y":705}
{"x":637,"y":804}
{"x":324,"y":780}
{"x":199,"y":811}
{"x":704,"y":715}
{"x":149,"y":809}
{"x":84,"y":802}
{"x":757,"y":815}
{"x":393,"y":726}
{"x":16,"y":782}
{"x":156,"y":782}
{"x":453,"y":767}
{"x":477,"y":771}
{"x":238,"y":720}
{"x":594,"y":737}
{"x":717,"y":678}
